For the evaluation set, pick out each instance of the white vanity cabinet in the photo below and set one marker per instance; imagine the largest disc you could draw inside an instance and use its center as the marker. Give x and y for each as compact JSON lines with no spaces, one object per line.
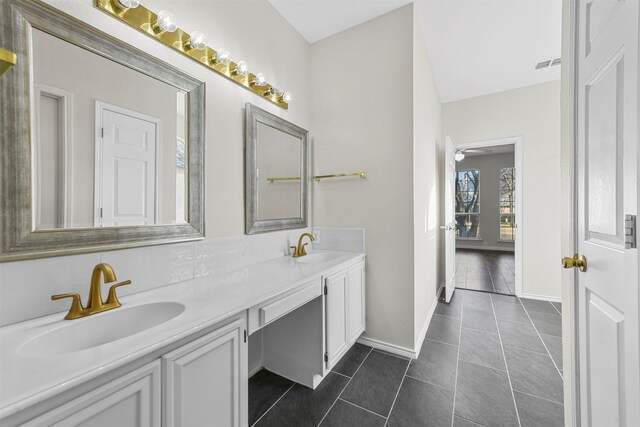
{"x":344,"y":310}
{"x":206,"y":381}
{"x":131,"y":400}
{"x":202,"y":381}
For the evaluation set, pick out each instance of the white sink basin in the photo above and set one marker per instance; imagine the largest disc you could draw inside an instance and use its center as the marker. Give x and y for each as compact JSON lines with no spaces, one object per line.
{"x":99,"y":329}
{"x":317,"y":257}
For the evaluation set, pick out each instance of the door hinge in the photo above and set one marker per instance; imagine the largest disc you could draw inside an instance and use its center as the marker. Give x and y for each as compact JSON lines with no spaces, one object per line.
{"x":326,"y":357}
{"x":630,"y":232}
{"x":325,"y":289}
{"x":245,"y":335}
{"x":102,"y":132}
{"x":101,"y":212}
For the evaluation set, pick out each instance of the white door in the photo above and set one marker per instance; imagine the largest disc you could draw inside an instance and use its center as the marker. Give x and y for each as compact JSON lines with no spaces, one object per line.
{"x":355,"y":302}
{"x":336,"y":290}
{"x":206,"y":381}
{"x":607,"y":144}
{"x":449,"y":226}
{"x":125,"y":168}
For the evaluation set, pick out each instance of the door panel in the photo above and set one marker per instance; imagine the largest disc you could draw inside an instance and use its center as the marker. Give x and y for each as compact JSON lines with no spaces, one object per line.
{"x":356,"y":301}
{"x":206,"y":380}
{"x":337,"y":328}
{"x":604,"y":149}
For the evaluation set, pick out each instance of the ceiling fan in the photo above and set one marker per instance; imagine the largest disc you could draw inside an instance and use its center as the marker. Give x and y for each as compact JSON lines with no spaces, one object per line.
{"x":460,"y":154}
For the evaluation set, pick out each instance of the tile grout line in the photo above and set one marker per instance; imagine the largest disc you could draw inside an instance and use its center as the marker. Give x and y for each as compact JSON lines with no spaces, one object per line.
{"x":555,"y":308}
{"x":364,"y":409}
{"x":274,"y":404}
{"x":427,"y":382}
{"x":493,"y":284}
{"x":455,"y":384}
{"x":538,"y":397}
{"x":342,"y":375}
{"x":543,"y":343}
{"x":397,"y":393}
{"x":506,"y":365}
{"x":345,"y":386}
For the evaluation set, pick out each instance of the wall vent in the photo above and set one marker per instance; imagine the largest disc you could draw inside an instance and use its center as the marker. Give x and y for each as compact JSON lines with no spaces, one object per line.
{"x":546,"y":64}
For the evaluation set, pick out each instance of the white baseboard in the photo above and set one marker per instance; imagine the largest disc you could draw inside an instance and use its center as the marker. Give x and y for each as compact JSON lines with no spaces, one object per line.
{"x":542,"y":297}
{"x":486,"y":248}
{"x":389,"y":348}
{"x":255,"y":370}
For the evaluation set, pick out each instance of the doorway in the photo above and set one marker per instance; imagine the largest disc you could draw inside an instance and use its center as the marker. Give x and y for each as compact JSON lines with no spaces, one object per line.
{"x":488,"y":218}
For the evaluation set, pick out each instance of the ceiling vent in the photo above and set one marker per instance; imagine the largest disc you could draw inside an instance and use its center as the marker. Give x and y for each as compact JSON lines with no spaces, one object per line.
{"x":546,"y":64}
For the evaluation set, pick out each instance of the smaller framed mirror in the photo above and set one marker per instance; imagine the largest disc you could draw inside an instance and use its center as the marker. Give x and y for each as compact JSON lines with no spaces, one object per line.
{"x":276,"y":172}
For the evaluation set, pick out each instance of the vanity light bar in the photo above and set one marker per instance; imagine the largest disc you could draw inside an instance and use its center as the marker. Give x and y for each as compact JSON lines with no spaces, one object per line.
{"x":146,"y":21}
{"x":7,"y":59}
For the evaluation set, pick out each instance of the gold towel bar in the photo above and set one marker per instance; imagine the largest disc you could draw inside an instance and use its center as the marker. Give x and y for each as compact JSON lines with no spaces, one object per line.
{"x":339,"y":175}
{"x":319,"y":177}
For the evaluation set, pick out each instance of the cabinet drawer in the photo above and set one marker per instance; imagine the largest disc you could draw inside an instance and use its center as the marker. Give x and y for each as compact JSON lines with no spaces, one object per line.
{"x":264,"y":314}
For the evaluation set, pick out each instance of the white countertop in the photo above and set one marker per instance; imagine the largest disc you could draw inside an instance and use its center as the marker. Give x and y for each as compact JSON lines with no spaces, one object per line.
{"x":27,"y":380}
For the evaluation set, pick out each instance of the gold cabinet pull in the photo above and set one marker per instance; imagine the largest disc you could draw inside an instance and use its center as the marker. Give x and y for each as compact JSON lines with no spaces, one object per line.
{"x":576,"y":261}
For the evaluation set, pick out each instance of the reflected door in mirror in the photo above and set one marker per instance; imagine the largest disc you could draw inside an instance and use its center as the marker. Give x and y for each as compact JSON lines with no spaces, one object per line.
{"x":109,"y":146}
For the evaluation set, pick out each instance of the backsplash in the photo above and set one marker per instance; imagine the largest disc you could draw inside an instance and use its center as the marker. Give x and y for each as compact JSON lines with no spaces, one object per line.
{"x":26,"y":286}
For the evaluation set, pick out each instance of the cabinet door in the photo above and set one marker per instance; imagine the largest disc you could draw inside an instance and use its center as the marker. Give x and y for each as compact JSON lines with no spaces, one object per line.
{"x":206,"y":381}
{"x":336,"y":316}
{"x":356,"y":301}
{"x":131,"y":400}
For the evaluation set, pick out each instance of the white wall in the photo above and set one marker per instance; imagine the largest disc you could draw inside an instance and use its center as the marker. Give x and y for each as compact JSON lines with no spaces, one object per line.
{"x":376,"y":109}
{"x":427,"y":134}
{"x":489,"y":166}
{"x":251,"y":31}
{"x":532,"y":112}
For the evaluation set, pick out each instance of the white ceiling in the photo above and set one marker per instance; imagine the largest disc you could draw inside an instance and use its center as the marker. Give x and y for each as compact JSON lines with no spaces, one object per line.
{"x":476,"y":46}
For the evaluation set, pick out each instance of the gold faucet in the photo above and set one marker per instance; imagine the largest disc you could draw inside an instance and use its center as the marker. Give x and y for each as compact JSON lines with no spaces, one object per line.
{"x":95,"y":304}
{"x":299,"y":250}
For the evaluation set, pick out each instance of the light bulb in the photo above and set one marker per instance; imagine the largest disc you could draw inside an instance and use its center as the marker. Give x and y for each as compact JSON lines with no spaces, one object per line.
{"x":129,"y":4}
{"x":459,"y":156}
{"x":223,"y":56}
{"x":242,"y":69}
{"x":197,"y":40}
{"x":287,"y":97}
{"x":260,"y":80}
{"x":166,"y":22}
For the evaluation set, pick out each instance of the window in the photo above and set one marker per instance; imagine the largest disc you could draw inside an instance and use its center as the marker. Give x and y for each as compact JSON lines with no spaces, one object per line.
{"x":468,"y":204}
{"x":507,"y":204}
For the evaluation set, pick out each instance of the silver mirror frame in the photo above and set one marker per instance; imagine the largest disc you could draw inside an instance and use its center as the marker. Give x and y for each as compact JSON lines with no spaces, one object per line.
{"x":253,"y":116}
{"x":18,"y":239}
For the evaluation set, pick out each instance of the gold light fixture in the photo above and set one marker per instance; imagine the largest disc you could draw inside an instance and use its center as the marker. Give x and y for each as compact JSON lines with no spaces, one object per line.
{"x":7,"y":59}
{"x":163,"y":27}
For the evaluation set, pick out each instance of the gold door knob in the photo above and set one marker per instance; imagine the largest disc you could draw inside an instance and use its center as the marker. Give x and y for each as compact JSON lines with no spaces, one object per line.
{"x":576,"y":261}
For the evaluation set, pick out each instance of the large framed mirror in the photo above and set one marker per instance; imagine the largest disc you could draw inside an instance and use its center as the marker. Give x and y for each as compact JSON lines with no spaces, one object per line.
{"x":276,"y":172}
{"x":101,"y":143}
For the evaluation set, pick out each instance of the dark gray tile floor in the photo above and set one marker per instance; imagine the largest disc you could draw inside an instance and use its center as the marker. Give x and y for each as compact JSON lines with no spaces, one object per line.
{"x":489,"y":271}
{"x":484,"y":362}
